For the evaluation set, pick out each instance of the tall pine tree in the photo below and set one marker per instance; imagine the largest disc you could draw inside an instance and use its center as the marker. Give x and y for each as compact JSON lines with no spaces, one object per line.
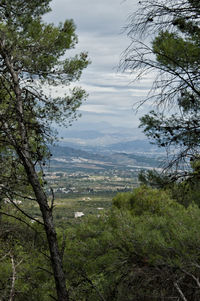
{"x":172,"y":51}
{"x":33,"y":59}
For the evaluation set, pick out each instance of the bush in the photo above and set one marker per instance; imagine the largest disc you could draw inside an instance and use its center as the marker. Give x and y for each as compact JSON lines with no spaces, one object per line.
{"x":145,"y":200}
{"x":145,"y":248}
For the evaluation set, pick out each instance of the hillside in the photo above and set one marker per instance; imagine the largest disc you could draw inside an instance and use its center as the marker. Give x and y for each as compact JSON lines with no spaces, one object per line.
{"x":72,"y":158}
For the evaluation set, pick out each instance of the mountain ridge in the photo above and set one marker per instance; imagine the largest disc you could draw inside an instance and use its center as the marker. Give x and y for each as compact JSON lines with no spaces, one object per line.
{"x":71,"y":157}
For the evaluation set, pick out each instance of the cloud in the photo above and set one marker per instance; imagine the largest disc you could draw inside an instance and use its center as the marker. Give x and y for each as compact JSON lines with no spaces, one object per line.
{"x":100,"y":24}
{"x":97,"y":109}
{"x":105,"y":17}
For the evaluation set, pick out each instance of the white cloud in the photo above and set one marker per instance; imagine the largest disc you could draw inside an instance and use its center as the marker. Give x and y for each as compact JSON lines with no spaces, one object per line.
{"x":99,"y":28}
{"x":98,"y":109}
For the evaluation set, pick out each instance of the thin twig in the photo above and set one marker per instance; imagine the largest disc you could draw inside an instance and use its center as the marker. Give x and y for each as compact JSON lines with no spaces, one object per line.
{"x":53,"y":297}
{"x":19,"y":219}
{"x":12,"y":290}
{"x":180,"y":291}
{"x":25,"y":213}
{"x":45,"y":270}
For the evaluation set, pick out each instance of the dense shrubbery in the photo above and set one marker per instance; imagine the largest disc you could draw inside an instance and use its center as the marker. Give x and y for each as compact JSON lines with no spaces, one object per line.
{"x":23,"y":266}
{"x":185,"y":189}
{"x":145,"y":249}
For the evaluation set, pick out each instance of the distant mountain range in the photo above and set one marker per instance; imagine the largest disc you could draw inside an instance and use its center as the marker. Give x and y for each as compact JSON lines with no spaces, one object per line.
{"x":108,"y":139}
{"x":135,"y":146}
{"x":65,"y":157}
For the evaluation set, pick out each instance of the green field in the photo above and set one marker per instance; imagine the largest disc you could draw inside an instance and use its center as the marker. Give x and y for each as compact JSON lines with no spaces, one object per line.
{"x":66,"y":207}
{"x":86,"y":192}
{"x":64,"y":212}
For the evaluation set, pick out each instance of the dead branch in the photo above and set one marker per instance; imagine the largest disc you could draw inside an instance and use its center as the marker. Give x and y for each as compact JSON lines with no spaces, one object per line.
{"x":180,"y":291}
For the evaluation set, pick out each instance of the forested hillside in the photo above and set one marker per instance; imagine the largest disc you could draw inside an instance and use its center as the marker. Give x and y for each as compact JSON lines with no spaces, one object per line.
{"x":80,"y":226}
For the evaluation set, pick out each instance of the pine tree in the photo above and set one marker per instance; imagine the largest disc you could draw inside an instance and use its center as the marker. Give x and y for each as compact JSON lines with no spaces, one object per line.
{"x":33,"y":59}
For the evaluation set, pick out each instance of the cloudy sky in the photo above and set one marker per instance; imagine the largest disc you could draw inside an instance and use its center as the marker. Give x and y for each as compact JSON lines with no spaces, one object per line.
{"x":112,"y":96}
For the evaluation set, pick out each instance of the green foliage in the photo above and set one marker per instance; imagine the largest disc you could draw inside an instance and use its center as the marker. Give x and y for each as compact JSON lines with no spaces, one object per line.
{"x":33,"y":60}
{"x":187,"y":191}
{"x":174,"y":131}
{"x":22,"y":263}
{"x":174,"y":57}
{"x":184,"y":188}
{"x":139,"y":251}
{"x":144,"y":200}
{"x":154,"y":179}
{"x":37,"y":53}
{"x":176,"y":52}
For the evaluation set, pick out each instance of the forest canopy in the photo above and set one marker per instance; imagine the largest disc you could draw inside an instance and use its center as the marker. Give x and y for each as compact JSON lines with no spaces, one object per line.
{"x":146,"y":245}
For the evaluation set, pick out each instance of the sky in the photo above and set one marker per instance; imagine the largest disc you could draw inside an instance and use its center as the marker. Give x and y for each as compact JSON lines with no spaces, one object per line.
{"x":112,"y":94}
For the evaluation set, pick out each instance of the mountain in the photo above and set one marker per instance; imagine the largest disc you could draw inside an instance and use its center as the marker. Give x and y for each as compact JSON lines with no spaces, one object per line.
{"x":100,"y":136}
{"x":135,"y":146}
{"x":71,"y":158}
{"x":105,"y":138}
{"x":69,"y":152}
{"x":84,"y":134}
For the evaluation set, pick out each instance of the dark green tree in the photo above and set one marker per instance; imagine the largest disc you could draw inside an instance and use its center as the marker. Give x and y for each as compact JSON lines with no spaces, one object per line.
{"x":145,"y":248}
{"x":32,"y":61}
{"x":172,"y":51}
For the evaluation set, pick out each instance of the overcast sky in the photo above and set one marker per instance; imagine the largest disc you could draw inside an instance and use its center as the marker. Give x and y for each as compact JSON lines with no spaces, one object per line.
{"x":100,"y":31}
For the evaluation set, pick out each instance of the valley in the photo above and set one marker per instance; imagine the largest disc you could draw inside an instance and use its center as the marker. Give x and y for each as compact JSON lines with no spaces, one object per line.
{"x":74,"y":171}
{"x":84,"y":183}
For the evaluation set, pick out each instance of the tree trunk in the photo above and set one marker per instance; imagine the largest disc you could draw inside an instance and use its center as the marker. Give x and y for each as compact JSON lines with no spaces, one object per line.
{"x":23,"y":150}
{"x":46,"y":211}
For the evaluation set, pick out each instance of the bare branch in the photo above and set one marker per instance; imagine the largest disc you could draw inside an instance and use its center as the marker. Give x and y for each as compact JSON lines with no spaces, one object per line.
{"x":25,"y":213}
{"x":196,"y":279}
{"x":12,"y":291}
{"x":14,"y":276}
{"x":45,"y":270}
{"x":84,"y":275}
{"x":52,"y":297}
{"x":180,"y":291}
{"x":18,"y":218}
